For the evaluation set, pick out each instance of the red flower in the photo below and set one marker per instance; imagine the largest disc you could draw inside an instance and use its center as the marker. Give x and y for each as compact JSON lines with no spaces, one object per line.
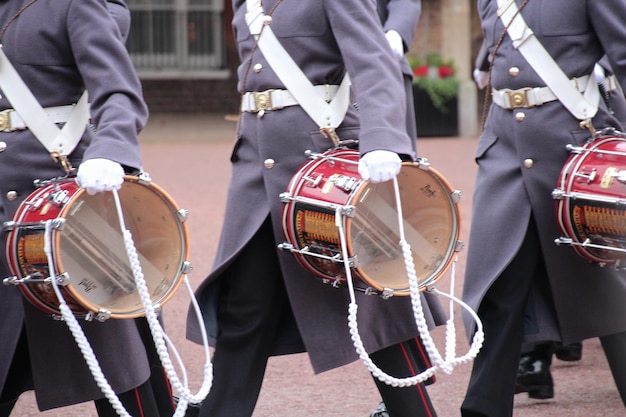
{"x":421,"y":71}
{"x":445,"y":71}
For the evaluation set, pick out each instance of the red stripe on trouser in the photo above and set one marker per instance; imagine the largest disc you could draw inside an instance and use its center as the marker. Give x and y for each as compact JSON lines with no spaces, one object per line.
{"x":424,"y":356}
{"x":169,"y":389}
{"x":138,"y":397}
{"x":420,"y":388}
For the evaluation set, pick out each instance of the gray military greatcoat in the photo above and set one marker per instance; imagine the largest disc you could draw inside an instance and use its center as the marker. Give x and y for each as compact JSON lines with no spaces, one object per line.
{"x":520,"y":155}
{"x":321,"y":37}
{"x":59,"y":47}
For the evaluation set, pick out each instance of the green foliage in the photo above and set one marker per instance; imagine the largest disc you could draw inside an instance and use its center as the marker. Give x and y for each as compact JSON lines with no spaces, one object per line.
{"x":440,"y":90}
{"x":436,"y":76}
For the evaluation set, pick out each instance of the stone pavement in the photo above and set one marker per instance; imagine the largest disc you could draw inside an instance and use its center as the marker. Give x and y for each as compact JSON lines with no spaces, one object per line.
{"x":187,"y":155}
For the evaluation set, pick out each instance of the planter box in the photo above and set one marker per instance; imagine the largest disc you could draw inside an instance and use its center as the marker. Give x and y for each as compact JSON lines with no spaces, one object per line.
{"x":430,"y":120}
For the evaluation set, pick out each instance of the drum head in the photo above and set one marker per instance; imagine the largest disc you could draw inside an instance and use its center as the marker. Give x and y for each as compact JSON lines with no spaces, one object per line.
{"x":431,"y":227}
{"x":92,"y":250}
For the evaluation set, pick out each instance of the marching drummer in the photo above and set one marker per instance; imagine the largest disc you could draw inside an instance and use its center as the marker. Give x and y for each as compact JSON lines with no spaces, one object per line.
{"x":58,"y":49}
{"x":258,"y":301}
{"x":523,"y":286}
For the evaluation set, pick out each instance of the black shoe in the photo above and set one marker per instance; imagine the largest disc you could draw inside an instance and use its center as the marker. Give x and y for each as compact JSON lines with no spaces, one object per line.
{"x":381,"y":411}
{"x":569,"y":353}
{"x":533,"y":377}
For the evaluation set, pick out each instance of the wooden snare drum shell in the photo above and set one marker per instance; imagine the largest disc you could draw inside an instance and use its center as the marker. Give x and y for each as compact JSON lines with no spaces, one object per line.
{"x":592,"y":208}
{"x":431,"y":222}
{"x":88,"y":246}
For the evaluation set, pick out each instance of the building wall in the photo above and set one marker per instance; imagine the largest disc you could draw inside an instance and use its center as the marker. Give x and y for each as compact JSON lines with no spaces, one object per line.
{"x":220,"y":95}
{"x":195,"y":95}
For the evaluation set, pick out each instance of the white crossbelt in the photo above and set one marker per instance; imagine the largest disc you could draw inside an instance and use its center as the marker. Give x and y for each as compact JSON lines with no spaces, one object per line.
{"x":583,"y":106}
{"x":275,"y":99}
{"x":10,"y":120}
{"x":536,"y":96}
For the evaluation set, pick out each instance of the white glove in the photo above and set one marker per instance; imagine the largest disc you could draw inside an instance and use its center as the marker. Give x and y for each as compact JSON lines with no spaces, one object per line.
{"x":481,"y":78}
{"x":379,"y":166}
{"x":96,"y":175}
{"x":396,"y":44}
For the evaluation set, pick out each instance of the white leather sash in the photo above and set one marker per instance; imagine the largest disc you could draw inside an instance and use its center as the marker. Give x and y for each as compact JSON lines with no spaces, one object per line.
{"x":583,"y":106}
{"x":55,"y":140}
{"x":325,"y":114}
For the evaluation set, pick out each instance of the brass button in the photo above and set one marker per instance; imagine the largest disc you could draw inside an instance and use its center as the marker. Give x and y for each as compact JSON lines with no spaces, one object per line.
{"x":11,"y":195}
{"x":257,"y":68}
{"x":520,"y":116}
{"x":514,"y":71}
{"x":528,"y":163}
{"x":3,"y":146}
{"x":269,"y":163}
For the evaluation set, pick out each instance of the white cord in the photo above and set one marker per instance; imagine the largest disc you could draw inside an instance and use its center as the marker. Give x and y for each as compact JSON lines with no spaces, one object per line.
{"x":438,"y":362}
{"x":158,"y":334}
{"x":77,"y":332}
{"x":157,"y":331}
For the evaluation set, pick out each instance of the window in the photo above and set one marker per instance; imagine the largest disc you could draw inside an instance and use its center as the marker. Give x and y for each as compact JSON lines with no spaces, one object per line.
{"x":177,"y":38}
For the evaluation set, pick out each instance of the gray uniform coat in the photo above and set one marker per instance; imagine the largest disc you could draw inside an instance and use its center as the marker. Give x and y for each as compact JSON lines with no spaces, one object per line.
{"x":587,"y":301}
{"x":61,"y":47}
{"x":402,"y":16}
{"x":325,"y":38}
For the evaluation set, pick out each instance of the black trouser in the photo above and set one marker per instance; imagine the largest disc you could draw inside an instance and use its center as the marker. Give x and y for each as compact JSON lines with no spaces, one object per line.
{"x":153,"y":397}
{"x":492,"y":382}
{"x":249,"y":314}
{"x":404,"y":360}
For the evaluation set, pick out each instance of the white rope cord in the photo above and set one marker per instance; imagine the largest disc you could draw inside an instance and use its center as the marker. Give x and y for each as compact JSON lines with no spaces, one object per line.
{"x":439,"y":363}
{"x":186,"y":396}
{"x":77,"y":332}
{"x":158,"y":334}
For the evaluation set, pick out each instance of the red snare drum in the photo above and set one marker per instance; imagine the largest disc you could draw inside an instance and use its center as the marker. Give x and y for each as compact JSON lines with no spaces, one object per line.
{"x":88,"y":252}
{"x":331,"y":181}
{"x":591,"y":199}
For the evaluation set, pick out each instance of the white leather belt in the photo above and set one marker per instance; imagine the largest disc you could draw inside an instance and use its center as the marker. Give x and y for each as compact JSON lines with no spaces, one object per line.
{"x":531,"y":97}
{"x":277,"y":99}
{"x":11,"y":121}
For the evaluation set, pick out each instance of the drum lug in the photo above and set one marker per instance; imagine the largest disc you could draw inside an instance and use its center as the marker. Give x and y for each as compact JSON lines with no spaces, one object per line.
{"x":558,"y":194}
{"x":423,"y":163}
{"x":563,"y":241}
{"x":144,"y":178}
{"x":101,"y":315}
{"x":456,"y":196}
{"x":186,"y":267}
{"x":285,"y":197}
{"x":335,"y":283}
{"x":9,"y":225}
{"x":458,"y":247}
{"x":347,"y":211}
{"x":63,"y":279}
{"x":59,"y":197}
{"x":386,"y":294}
{"x":285,"y":246}
{"x":183,"y":215}
{"x":574,"y":149}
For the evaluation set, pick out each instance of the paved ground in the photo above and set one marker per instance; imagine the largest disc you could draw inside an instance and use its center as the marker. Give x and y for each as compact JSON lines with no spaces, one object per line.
{"x":188,"y":157}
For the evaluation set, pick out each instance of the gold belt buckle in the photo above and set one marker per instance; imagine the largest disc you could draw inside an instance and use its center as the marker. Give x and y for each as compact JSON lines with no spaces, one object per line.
{"x":518,"y":98}
{"x":263,"y":100}
{"x":5,"y":120}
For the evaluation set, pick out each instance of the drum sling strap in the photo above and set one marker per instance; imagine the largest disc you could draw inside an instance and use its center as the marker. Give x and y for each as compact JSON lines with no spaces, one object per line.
{"x":327,"y":115}
{"x":59,"y":142}
{"x":583,"y":106}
